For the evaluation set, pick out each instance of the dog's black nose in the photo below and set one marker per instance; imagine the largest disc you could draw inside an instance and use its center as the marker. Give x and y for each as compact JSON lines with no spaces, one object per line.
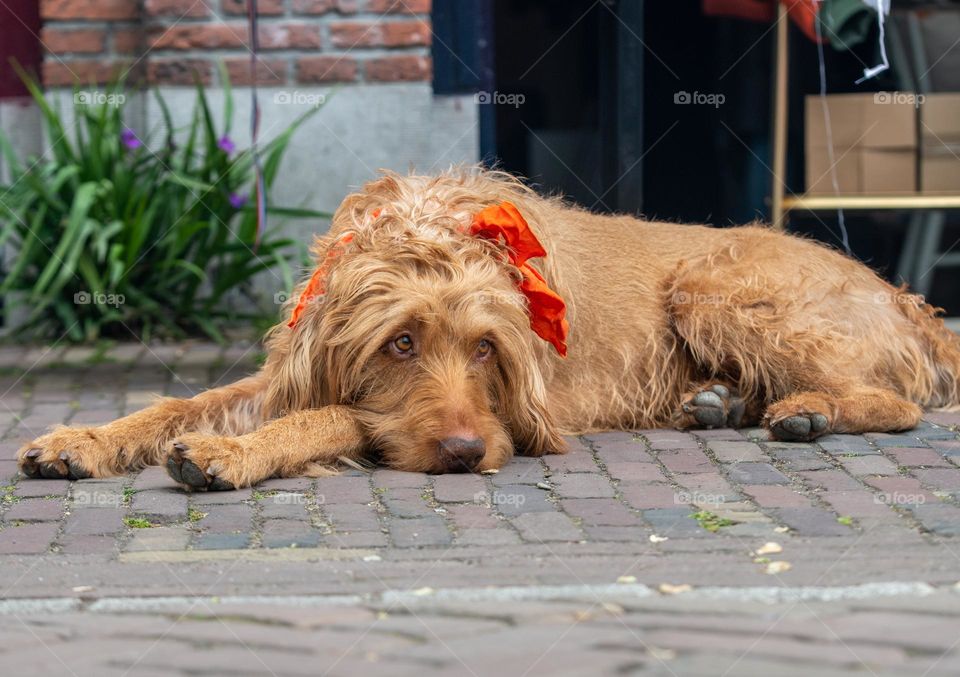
{"x":460,"y":454}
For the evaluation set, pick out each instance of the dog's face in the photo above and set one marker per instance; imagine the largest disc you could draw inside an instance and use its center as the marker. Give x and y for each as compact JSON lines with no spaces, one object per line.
{"x":431,"y":342}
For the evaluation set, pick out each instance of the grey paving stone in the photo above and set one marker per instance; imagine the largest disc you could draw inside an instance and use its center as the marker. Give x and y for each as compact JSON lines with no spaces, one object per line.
{"x":160,"y":505}
{"x":27,"y":539}
{"x":600,"y":512}
{"x":727,"y":451}
{"x":812,"y":521}
{"x":796,"y":460}
{"x":459,"y":488}
{"x":419,"y":531}
{"x":514,"y":499}
{"x":544,"y":527}
{"x":756,"y":473}
{"x":34,"y":510}
{"x":582,"y":485}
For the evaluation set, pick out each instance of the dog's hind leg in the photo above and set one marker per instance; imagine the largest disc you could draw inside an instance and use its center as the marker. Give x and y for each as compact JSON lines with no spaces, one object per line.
{"x":715,"y":404}
{"x":804,"y":416}
{"x":141,"y":438}
{"x":301,"y":443}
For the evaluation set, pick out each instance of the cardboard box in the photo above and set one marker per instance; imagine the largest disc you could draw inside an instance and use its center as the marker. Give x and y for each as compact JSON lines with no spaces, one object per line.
{"x":940,"y":144}
{"x":874,"y":144}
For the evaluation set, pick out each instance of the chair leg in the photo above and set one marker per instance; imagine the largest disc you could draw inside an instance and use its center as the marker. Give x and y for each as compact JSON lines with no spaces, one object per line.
{"x":905,"y":267}
{"x":928,"y":257}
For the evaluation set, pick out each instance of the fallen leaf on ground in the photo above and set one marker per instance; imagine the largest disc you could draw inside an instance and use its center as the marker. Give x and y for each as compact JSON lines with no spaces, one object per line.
{"x":778,"y":567}
{"x":627,"y":579}
{"x":658,"y":539}
{"x":769,"y":548}
{"x":670,"y":589}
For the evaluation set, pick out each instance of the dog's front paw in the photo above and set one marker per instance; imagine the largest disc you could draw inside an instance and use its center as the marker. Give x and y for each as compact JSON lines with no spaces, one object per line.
{"x":70,"y":453}
{"x":209,"y":463}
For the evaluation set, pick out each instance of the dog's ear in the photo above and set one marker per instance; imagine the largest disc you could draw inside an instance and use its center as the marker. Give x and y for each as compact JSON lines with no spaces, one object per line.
{"x":295,"y":370}
{"x":525,"y":409}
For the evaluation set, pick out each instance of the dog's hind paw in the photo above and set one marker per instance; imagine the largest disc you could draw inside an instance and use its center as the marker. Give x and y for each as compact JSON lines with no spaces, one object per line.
{"x":205,"y":463}
{"x":713,"y":406}
{"x":799,"y":427}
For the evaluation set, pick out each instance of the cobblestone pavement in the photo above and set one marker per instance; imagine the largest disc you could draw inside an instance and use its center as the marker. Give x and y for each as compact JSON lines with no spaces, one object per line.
{"x":655,"y":552}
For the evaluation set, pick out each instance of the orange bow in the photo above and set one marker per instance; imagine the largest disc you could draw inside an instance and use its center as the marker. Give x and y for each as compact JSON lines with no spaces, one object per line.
{"x":547,"y":309}
{"x":318,"y":281}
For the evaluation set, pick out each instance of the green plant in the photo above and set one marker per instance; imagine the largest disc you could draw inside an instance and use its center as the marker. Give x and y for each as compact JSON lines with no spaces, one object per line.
{"x":138,"y":522}
{"x":117,"y":233}
{"x":711,"y":521}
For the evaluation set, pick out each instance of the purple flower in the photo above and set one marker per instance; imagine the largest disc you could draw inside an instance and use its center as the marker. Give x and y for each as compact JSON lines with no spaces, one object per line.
{"x":226,"y":144}
{"x":129,"y":139}
{"x":237,"y":200}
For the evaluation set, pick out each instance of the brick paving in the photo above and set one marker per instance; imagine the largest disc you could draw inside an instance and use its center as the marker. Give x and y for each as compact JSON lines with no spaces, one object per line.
{"x":654,"y":552}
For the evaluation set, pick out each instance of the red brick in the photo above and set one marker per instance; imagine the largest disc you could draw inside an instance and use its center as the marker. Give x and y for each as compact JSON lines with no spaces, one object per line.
{"x":401,"y":68}
{"x":128,"y":40}
{"x":324,"y":6}
{"x":289,"y":36}
{"x":199,"y":36}
{"x":268,"y":71}
{"x":178,"y":8}
{"x":83,"y":40}
{"x":179,"y":71}
{"x":89,"y":9}
{"x":264,"y":7}
{"x":349,"y":34}
{"x":399,"y":6}
{"x":59,"y":73}
{"x":312,"y":69}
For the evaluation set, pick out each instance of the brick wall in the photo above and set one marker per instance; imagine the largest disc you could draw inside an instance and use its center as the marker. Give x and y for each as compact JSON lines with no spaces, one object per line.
{"x":166,"y":42}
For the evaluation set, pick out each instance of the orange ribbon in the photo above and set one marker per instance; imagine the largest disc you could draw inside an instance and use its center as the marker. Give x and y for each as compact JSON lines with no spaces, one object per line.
{"x":547,"y":309}
{"x":317,"y":286}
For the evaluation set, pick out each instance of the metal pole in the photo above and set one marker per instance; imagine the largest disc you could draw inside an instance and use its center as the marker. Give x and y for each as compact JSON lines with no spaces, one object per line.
{"x":777,"y":214}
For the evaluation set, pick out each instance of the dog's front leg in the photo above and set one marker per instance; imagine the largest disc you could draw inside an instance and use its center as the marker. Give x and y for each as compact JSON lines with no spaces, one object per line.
{"x":298,"y":444}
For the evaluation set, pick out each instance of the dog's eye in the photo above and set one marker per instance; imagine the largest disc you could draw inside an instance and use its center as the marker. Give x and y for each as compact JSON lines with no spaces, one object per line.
{"x":403,"y":344}
{"x":484,"y":348}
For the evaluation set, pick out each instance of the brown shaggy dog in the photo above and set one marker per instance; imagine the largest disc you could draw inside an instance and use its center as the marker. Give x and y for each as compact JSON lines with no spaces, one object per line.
{"x":420,"y":353}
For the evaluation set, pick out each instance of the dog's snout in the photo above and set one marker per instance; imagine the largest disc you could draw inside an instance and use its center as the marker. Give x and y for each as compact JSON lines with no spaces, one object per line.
{"x":460,"y":454}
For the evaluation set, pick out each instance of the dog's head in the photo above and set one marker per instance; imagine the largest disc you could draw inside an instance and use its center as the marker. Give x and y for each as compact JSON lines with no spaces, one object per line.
{"x":422,"y":328}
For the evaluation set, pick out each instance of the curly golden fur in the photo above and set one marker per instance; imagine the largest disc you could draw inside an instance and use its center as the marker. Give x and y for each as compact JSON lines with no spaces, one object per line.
{"x":420,"y":352}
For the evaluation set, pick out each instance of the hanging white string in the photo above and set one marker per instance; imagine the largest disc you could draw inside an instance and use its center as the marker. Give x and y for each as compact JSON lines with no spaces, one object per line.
{"x":829,"y":128}
{"x":883,"y":8}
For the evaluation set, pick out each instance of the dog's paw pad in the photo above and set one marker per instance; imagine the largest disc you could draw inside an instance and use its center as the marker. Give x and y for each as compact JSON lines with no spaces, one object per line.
{"x":799,"y":427}
{"x":186,"y":469}
{"x":714,"y":407}
{"x":47,"y":462}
